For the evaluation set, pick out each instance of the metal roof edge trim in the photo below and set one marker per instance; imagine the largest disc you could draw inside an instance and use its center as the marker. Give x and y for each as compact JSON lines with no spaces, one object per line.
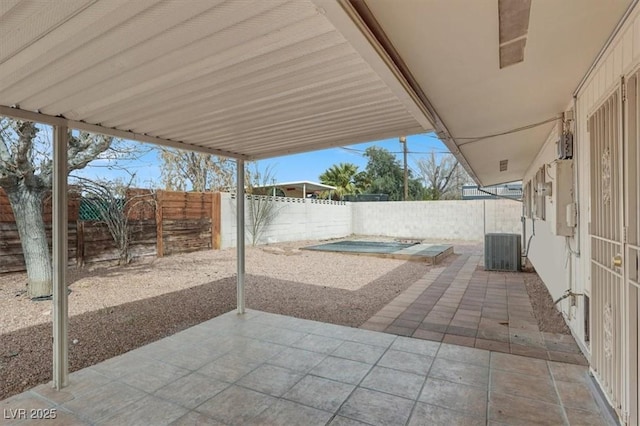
{"x":348,"y":23}
{"x":322,"y":185}
{"x":375,"y":50}
{"x":122,"y":134}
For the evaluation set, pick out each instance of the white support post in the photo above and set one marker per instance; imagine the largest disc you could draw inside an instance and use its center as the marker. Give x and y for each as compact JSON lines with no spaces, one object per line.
{"x":304,"y":191}
{"x":60,"y":258}
{"x":240,"y":234}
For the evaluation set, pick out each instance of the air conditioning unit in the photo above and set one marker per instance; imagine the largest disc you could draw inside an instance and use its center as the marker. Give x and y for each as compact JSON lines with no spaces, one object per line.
{"x":502,"y":252}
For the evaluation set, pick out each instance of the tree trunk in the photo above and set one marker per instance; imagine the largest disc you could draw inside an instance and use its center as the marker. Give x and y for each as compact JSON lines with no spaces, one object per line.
{"x":27,"y":209}
{"x":123,"y":249}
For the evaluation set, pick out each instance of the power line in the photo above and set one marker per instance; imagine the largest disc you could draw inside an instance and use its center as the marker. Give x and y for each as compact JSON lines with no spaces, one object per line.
{"x":468,"y":139}
{"x":472,"y":139}
{"x":415,"y":161}
{"x":362,"y":151}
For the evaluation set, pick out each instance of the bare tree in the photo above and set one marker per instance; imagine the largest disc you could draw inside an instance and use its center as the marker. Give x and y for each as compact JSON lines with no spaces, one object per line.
{"x":112,"y":203}
{"x":263,"y":209}
{"x":443,"y":177}
{"x":183,"y":170}
{"x":26,"y":175}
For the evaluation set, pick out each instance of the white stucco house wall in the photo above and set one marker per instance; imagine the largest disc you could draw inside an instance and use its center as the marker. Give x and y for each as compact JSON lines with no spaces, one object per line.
{"x":599,"y":267}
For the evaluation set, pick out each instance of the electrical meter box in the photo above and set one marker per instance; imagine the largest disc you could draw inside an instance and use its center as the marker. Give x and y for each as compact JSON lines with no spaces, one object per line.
{"x":564,"y":220}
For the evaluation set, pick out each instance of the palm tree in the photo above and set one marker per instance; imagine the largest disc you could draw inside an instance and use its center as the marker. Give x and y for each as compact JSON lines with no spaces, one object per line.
{"x":342,"y":177}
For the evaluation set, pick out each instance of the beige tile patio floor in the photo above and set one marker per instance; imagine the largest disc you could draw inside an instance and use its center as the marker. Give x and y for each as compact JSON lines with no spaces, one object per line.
{"x":465,"y":305}
{"x":269,"y":369}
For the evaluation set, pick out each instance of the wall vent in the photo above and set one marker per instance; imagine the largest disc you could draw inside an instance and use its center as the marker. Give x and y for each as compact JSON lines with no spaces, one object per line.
{"x":503,"y":165}
{"x":587,"y":328}
{"x":502,"y":252}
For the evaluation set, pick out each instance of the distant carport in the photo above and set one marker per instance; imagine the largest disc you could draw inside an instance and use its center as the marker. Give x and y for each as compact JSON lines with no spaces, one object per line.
{"x":298,"y":189}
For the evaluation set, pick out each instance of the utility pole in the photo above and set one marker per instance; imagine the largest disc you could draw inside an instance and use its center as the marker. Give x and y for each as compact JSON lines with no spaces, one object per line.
{"x":403,"y":141}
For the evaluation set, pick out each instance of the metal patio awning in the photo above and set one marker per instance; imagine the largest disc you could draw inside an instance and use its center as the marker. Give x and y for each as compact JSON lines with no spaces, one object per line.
{"x":244,"y":79}
{"x":256,"y":79}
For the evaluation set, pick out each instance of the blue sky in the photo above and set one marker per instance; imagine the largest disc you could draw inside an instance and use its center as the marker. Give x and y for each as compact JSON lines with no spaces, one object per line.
{"x":309,"y":166}
{"x":305,"y":166}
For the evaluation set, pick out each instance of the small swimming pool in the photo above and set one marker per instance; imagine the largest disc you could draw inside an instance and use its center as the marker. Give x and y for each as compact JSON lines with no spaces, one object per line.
{"x":362,"y":246}
{"x":430,"y":253}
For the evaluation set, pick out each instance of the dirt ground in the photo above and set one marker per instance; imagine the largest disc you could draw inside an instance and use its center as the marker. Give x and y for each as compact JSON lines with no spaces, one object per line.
{"x":549,"y":319}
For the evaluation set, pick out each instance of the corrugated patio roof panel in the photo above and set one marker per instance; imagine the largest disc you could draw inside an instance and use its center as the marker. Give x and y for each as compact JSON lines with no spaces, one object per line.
{"x":255,"y":79}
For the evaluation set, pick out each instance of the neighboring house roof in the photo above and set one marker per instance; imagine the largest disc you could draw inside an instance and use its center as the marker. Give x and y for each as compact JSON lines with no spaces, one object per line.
{"x":299,"y":186}
{"x":311,"y":186}
{"x":474,"y":192}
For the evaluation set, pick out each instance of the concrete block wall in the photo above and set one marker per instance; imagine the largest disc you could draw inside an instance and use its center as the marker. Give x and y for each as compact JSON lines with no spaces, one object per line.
{"x":502,"y":216}
{"x":295,"y":220}
{"x":466,"y":220}
{"x":447,"y":220}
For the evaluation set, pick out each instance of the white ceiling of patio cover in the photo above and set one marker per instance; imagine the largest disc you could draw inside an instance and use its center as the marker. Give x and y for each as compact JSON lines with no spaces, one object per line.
{"x":253,"y":79}
{"x":451,"y":48}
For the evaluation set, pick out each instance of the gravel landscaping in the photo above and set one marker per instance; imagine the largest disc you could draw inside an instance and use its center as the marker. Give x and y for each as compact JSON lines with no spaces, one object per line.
{"x":116,"y":309}
{"x":550,"y":319}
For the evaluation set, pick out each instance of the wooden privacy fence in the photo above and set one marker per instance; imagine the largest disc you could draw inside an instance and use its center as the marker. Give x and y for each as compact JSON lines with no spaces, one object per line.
{"x":187,"y":221}
{"x":6,"y":213}
{"x":162,"y":223}
{"x":11,"y":257}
